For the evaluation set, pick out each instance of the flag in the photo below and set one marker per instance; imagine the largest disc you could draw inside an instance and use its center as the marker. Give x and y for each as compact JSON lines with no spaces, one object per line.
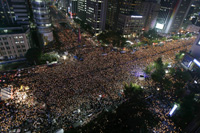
{"x":79,"y":35}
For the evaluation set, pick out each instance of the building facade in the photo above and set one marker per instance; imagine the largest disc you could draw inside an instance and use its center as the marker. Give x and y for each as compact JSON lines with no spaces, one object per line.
{"x":96,"y":15}
{"x":14,"y":42}
{"x":112,"y":14}
{"x":14,"y":12}
{"x":130,"y":26}
{"x":42,"y":19}
{"x":149,"y":10}
{"x":171,"y":15}
{"x":81,"y":13}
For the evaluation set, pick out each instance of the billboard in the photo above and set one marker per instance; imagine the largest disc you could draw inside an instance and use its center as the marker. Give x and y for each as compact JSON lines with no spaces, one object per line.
{"x":159,"y":26}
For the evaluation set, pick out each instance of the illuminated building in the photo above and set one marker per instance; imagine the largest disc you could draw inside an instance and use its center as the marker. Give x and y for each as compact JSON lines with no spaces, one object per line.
{"x":191,"y":60}
{"x":112,"y":14}
{"x":82,"y":9}
{"x":149,"y":9}
{"x":129,"y":22}
{"x":72,"y":7}
{"x":96,"y":15}
{"x":14,"y":12}
{"x":130,"y":25}
{"x":171,"y":15}
{"x":42,"y":20}
{"x":14,"y":42}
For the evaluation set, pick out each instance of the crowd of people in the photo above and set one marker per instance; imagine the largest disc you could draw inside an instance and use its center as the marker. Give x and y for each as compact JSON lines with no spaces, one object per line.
{"x":61,"y":96}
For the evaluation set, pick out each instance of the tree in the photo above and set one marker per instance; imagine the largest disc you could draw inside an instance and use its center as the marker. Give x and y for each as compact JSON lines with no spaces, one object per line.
{"x":133,"y":90}
{"x":159,"y":73}
{"x":33,"y":55}
{"x":189,"y":35}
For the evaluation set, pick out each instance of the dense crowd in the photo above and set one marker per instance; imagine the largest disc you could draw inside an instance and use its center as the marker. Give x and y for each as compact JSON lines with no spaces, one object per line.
{"x":61,"y":96}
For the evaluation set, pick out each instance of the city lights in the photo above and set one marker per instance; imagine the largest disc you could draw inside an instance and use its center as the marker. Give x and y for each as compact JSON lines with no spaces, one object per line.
{"x":173,"y":109}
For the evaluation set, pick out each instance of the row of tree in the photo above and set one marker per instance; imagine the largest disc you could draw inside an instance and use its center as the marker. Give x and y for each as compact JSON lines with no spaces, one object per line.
{"x":35,"y":56}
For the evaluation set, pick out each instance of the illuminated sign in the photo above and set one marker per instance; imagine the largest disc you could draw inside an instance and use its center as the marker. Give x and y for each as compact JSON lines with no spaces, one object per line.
{"x":199,"y":43}
{"x":159,"y":26}
{"x":173,"y":109}
{"x":133,"y":16}
{"x":196,"y":62}
{"x":189,"y":63}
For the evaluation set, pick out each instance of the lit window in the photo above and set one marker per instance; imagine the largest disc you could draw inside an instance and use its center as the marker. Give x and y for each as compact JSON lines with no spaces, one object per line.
{"x":21,"y":41}
{"x":20,"y":36}
{"x":16,"y":42}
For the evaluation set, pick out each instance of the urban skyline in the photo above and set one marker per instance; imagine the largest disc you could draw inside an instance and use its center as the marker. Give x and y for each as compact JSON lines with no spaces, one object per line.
{"x":99,"y":66}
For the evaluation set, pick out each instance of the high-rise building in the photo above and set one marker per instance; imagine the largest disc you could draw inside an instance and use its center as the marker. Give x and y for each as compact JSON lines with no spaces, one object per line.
{"x":72,"y":7}
{"x":164,"y":15}
{"x":149,"y":10}
{"x":96,"y":15}
{"x":129,"y":22}
{"x":178,"y":15}
{"x":14,"y":42}
{"x":42,"y":20}
{"x":112,"y":14}
{"x":191,"y":60}
{"x":14,"y":12}
{"x":171,"y":15}
{"x":82,"y":5}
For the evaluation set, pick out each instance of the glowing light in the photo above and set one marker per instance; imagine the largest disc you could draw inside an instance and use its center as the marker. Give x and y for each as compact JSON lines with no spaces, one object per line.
{"x":173,"y":109}
{"x":133,"y":16}
{"x":166,"y":71}
{"x":195,"y":82}
{"x":64,"y":57}
{"x":189,"y":63}
{"x":159,"y":26}
{"x":196,"y":62}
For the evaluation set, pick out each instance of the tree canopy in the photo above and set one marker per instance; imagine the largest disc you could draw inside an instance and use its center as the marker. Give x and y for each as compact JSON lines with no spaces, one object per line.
{"x":33,"y":55}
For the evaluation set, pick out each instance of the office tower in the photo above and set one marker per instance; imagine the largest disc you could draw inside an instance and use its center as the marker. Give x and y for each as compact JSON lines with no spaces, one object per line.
{"x":164,"y":15}
{"x":178,"y":15}
{"x":73,"y":7}
{"x":96,"y":15}
{"x":130,"y":26}
{"x":130,"y":23}
{"x":171,"y":15}
{"x":149,"y":10}
{"x":14,"y":12}
{"x":14,"y":42}
{"x":191,"y":61}
{"x":42,"y":19}
{"x":112,"y":14}
{"x":82,"y":4}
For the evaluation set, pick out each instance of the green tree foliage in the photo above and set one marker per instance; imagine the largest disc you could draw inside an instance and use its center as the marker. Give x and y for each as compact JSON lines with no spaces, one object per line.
{"x":159,"y":73}
{"x":175,"y":37}
{"x":151,"y":34}
{"x":47,"y":57}
{"x":133,"y":90}
{"x":189,"y":35}
{"x":112,"y":37}
{"x":33,"y":55}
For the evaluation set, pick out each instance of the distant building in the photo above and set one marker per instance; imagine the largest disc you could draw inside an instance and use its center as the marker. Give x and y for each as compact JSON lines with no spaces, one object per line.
{"x":171,"y":15}
{"x":14,"y":42}
{"x":191,"y":60}
{"x":129,"y":22}
{"x":149,"y":10}
{"x":72,"y":7}
{"x":81,"y":13}
{"x":96,"y":15}
{"x":112,"y":14}
{"x":42,"y":19}
{"x":14,"y":12}
{"x":130,"y":25}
